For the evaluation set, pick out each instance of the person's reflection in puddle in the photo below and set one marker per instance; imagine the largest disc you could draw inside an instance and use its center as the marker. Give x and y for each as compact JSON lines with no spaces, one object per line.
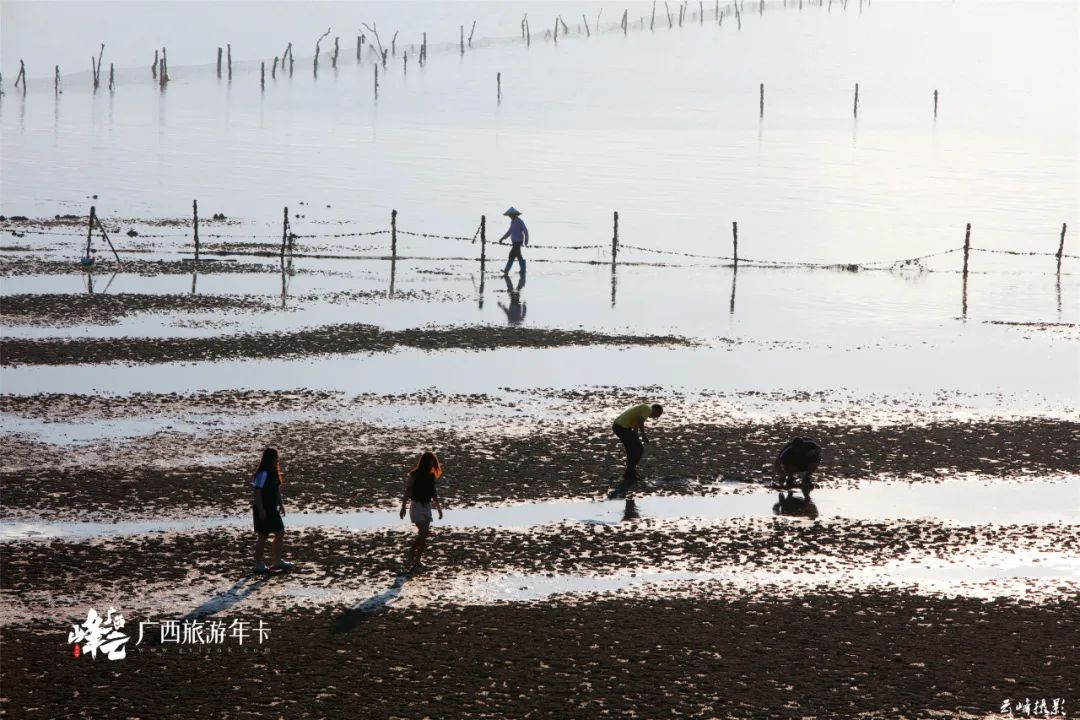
{"x":515,"y":314}
{"x":630,"y":511}
{"x":795,"y":506}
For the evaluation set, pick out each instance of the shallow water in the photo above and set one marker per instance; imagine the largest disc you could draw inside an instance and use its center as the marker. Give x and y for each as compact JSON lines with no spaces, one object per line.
{"x":663,"y":126}
{"x":971,"y":502}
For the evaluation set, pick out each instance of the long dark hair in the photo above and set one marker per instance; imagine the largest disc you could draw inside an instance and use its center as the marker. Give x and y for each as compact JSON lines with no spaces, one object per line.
{"x":269,"y":461}
{"x":428,"y":464}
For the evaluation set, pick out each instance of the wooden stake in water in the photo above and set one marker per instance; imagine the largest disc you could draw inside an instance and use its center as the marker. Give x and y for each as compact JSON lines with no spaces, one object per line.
{"x":56,"y":81}
{"x":615,"y":238}
{"x":483,"y":242}
{"x":935,"y":103}
{"x":423,"y":51}
{"x":393,"y":44}
{"x":337,"y":45}
{"x":761,"y":100}
{"x":856,"y":107}
{"x":967,"y":248}
{"x":195,"y":225}
{"x":393,"y":233}
{"x":262,"y":75}
{"x":471,"y":32}
{"x":528,"y":34}
{"x":652,"y":20}
{"x":586,"y":21}
{"x":284,"y":231}
{"x":462,"y":42}
{"x":317,"y":43}
{"x":219,"y":62}
{"x":498,"y":86}
{"x":735,"y":242}
{"x":1061,"y":246}
{"x":21,"y":77}
{"x":97,"y":68}
{"x":360,"y":45}
{"x":376,"y":81}
{"x":112,"y":77}
{"x":623,"y":23}
{"x":667,"y":10}
{"x":163,"y":70}
{"x":273,"y":70}
{"x":556,"y":36}
{"x":228,"y":47}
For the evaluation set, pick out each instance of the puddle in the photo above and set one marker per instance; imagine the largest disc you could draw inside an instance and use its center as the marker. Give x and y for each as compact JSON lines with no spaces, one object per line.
{"x":970,"y":501}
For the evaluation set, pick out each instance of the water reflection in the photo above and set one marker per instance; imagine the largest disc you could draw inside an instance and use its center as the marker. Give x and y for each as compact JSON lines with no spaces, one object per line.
{"x":515,"y":312}
{"x":790,"y":505}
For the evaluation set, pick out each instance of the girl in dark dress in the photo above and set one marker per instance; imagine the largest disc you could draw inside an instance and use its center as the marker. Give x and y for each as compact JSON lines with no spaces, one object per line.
{"x":420,"y":494}
{"x":267,"y":509}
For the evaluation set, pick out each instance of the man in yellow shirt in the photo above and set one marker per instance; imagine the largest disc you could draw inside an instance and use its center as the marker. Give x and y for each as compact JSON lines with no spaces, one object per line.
{"x":628,"y":426}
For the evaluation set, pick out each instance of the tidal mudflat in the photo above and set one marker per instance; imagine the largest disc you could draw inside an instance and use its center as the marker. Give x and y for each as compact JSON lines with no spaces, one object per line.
{"x":722,"y":221}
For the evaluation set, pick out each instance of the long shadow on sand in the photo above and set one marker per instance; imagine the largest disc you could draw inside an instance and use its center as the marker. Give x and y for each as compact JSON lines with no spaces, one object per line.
{"x":224,"y":600}
{"x":353,"y":617}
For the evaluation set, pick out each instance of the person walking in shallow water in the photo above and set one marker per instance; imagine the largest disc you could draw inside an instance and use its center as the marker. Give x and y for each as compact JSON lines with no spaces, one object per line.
{"x":519,"y":236}
{"x":420,"y":494}
{"x":267,"y":509}
{"x":629,"y":427}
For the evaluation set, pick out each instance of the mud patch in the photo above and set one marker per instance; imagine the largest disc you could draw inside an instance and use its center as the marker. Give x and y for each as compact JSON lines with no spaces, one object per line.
{"x":73,"y":309}
{"x":327,"y":339}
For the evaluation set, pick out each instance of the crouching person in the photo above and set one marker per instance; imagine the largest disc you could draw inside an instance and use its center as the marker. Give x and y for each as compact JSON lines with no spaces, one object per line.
{"x":800,"y":456}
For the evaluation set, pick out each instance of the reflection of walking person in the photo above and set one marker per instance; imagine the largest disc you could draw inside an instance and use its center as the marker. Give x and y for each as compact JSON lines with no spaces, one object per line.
{"x":630,"y":429}
{"x":420,"y":493}
{"x":267,"y":509}
{"x":515,"y":314}
{"x":519,"y":236}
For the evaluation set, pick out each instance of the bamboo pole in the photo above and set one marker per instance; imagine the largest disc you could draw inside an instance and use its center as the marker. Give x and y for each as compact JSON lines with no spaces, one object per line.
{"x":586,"y":21}
{"x":652,"y":19}
{"x":473,"y":30}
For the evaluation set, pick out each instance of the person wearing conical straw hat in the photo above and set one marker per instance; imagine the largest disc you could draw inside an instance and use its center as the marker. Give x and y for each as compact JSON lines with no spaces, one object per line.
{"x":519,"y":236}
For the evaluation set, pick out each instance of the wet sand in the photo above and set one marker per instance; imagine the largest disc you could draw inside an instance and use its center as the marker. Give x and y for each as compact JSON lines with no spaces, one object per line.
{"x":877,"y":655}
{"x":349,"y":465}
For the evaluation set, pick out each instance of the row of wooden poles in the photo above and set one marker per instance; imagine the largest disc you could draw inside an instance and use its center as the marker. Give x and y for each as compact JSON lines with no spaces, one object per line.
{"x":288,"y":238}
{"x":159,"y":67}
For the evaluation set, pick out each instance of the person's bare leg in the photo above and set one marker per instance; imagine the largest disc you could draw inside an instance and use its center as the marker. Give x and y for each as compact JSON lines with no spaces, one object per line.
{"x":421,"y":543}
{"x":260,"y":547}
{"x":275,"y":549}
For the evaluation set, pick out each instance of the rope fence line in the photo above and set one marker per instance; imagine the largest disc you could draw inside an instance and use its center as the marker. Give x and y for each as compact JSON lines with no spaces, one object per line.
{"x":288,"y":237}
